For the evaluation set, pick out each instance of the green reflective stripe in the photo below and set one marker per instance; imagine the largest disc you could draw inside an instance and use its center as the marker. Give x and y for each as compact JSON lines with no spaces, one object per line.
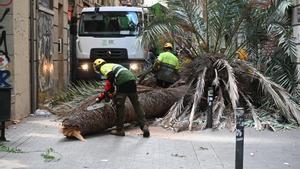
{"x":121,"y":69}
{"x":122,"y":75}
{"x":117,"y":67}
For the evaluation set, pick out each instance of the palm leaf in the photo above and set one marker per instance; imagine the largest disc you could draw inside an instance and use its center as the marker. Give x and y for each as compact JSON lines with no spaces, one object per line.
{"x":280,"y":97}
{"x":282,"y":71}
{"x":218,"y":109}
{"x":231,"y":85}
{"x":257,"y":123}
{"x":197,"y":95}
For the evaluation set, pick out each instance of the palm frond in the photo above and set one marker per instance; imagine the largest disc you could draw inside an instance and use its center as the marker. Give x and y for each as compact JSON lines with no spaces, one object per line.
{"x":218,"y":109}
{"x":282,"y":70}
{"x":197,"y":95}
{"x":216,"y":81}
{"x":76,"y":93}
{"x":298,"y":72}
{"x":231,"y":85}
{"x":280,"y":97}
{"x":257,"y":123}
{"x":283,"y":6}
{"x":157,"y":28}
{"x":293,"y":107}
{"x":225,"y":19}
{"x":188,"y":13}
{"x":173,"y":113}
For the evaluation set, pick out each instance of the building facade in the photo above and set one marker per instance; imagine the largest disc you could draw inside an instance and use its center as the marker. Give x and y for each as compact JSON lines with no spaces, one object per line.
{"x":14,"y":70}
{"x":35,"y":49}
{"x":34,"y":57}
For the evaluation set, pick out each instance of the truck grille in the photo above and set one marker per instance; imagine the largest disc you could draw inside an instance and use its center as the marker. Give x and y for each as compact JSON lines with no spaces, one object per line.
{"x":109,"y":54}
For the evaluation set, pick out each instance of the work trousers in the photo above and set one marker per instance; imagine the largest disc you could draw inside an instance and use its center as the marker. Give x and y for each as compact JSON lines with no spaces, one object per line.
{"x":120,"y":106}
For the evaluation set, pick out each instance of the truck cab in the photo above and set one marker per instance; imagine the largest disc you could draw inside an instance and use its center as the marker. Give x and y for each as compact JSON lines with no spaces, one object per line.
{"x":111,"y":33}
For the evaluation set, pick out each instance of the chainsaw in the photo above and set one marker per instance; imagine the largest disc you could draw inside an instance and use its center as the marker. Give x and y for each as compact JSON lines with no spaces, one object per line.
{"x":98,"y":104}
{"x":95,"y":106}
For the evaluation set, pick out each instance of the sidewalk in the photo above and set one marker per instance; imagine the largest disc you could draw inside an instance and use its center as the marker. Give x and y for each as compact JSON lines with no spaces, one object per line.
{"x":163,"y":150}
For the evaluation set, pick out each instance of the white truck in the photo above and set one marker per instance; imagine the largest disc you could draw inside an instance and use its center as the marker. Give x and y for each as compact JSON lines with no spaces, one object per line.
{"x":111,"y":33}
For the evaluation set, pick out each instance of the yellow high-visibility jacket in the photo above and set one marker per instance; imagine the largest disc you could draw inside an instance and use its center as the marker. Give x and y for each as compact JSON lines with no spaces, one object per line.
{"x":169,"y":58}
{"x":118,"y":72}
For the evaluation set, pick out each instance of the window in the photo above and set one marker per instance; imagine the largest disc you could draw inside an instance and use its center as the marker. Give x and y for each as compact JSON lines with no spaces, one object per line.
{"x":46,"y":3}
{"x":111,"y":23}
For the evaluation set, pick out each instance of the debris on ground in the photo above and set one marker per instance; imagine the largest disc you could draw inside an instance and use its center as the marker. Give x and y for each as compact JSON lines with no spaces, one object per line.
{"x":51,"y":155}
{"x":203,"y":148}
{"x":178,"y":155}
{"x":4,"y":148}
{"x":42,"y":112}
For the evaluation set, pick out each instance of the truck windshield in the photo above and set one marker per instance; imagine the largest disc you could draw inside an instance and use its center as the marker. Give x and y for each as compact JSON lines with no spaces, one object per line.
{"x":110,"y":24}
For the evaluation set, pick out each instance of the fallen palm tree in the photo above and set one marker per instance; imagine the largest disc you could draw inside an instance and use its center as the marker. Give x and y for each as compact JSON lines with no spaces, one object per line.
{"x":206,"y":28}
{"x":82,"y":122}
{"x":235,"y":84}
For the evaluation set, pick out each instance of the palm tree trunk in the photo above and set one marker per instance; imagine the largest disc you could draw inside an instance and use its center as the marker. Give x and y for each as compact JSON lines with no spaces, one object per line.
{"x":154,"y":103}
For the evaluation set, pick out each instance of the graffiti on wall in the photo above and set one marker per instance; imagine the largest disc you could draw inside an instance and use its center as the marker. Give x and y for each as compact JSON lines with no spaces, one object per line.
{"x":6,"y":3}
{"x":4,"y":53}
{"x":45,"y":50}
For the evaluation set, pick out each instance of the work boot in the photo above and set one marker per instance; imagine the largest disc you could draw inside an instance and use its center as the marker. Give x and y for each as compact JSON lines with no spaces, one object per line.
{"x":118,"y":132}
{"x":145,"y":130}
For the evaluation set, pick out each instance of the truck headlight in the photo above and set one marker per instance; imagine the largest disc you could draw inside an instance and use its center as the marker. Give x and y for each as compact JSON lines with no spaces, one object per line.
{"x":85,"y":67}
{"x":136,"y":68}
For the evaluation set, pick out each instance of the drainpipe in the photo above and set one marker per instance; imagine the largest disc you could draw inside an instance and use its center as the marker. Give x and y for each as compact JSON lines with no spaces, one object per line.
{"x":31,"y":60}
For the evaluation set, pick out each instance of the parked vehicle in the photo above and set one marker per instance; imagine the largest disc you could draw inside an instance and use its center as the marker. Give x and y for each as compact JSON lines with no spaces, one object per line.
{"x":111,"y":33}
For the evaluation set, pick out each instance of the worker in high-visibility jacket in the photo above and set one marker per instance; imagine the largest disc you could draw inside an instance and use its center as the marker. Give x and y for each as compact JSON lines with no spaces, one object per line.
{"x":125,"y":83}
{"x":166,"y":67}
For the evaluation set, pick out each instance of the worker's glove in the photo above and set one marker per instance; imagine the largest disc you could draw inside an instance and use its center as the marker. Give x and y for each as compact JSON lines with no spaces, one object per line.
{"x":107,"y":99}
{"x":98,"y":100}
{"x":108,"y":96}
{"x":112,"y":90}
{"x":100,"y":97}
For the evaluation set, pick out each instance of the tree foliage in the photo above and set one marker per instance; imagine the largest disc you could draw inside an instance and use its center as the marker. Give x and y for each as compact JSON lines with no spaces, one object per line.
{"x":213,"y":27}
